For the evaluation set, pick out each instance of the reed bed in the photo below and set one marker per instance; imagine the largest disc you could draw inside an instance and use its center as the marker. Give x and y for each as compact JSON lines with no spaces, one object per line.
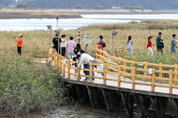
{"x":145,"y":25}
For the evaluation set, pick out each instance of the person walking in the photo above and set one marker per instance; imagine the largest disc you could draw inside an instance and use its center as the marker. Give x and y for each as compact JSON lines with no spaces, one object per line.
{"x":159,"y":42}
{"x":19,"y":43}
{"x":149,"y":46}
{"x":56,"y":41}
{"x":63,"y":44}
{"x":70,"y":47}
{"x":129,"y":46}
{"x":86,"y":58}
{"x":173,"y":44}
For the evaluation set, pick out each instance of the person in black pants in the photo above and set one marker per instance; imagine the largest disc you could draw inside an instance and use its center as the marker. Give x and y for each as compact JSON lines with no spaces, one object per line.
{"x":56,"y":41}
{"x":63,"y":44}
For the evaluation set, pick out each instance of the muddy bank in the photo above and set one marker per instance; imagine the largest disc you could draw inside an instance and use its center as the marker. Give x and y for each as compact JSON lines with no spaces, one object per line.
{"x":74,"y":112}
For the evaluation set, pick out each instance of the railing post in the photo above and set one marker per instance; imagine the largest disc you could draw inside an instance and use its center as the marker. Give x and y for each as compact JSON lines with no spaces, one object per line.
{"x":105,"y":73}
{"x":145,"y":68}
{"x":60,"y":64}
{"x":68,"y":68}
{"x":153,"y":80}
{"x":133,"y":76}
{"x":64,"y":68}
{"x":78,"y":74}
{"x":124,"y":64}
{"x":160,"y":68}
{"x":91,"y":70}
{"x":119,"y":75}
{"x":132,"y":62}
{"x":175,"y":75}
{"x":170,"y":80}
{"x":55,"y":61}
{"x":122,"y":52}
{"x":96,"y":53}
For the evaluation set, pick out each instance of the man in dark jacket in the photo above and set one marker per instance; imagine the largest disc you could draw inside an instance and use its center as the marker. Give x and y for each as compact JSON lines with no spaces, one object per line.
{"x":159,"y":42}
{"x":56,"y":41}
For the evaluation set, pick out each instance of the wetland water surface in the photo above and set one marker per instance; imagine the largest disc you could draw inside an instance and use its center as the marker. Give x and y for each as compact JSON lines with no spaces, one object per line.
{"x":40,"y":24}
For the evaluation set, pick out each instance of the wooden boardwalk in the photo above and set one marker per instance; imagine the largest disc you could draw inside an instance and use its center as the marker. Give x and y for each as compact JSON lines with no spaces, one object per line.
{"x":145,"y":88}
{"x":116,"y":77}
{"x":119,"y":72}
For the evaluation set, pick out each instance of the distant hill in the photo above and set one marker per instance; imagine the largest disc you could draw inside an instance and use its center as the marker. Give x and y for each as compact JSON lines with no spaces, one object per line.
{"x":87,"y":4}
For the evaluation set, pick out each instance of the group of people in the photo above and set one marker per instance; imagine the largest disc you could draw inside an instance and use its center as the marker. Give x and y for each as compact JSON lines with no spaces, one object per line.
{"x":75,"y":53}
{"x":159,"y":44}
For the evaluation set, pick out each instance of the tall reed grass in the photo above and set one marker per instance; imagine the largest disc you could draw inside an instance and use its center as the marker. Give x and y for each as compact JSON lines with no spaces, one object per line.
{"x":143,"y":25}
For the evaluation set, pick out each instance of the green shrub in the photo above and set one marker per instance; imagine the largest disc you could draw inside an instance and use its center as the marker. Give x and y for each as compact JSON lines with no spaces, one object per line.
{"x":76,"y":7}
{"x":20,"y":5}
{"x":98,"y":7}
{"x":27,"y":87}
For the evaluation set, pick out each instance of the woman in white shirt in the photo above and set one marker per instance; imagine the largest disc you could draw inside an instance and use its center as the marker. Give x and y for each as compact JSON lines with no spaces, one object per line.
{"x":86,"y":58}
{"x":63,"y":44}
{"x":129,"y":46}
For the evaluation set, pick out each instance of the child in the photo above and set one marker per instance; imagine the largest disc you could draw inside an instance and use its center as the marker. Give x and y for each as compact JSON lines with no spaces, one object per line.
{"x":149,"y":46}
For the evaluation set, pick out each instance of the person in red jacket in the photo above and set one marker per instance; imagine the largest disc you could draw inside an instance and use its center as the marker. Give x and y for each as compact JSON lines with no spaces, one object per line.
{"x":149,"y":46}
{"x":19,"y":43}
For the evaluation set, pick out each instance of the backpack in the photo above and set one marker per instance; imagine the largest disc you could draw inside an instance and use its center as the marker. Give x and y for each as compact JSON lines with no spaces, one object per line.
{"x":104,"y":44}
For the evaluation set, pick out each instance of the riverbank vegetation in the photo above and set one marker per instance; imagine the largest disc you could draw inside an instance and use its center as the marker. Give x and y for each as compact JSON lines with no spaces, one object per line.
{"x":39,"y":15}
{"x":26,"y":86}
{"x":134,"y":25}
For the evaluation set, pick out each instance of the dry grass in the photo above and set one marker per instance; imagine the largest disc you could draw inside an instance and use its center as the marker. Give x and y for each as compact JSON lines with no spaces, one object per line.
{"x":54,"y":14}
{"x":37,"y":42}
{"x":146,"y":25}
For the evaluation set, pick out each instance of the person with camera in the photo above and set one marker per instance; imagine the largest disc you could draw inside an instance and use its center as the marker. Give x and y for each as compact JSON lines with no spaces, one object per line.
{"x":19,"y":43}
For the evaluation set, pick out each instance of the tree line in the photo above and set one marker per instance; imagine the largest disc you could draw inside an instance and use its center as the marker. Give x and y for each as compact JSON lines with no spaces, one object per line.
{"x":148,"y":4}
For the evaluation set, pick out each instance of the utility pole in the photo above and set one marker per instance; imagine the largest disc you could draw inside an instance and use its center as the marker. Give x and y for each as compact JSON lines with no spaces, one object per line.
{"x":50,"y":28}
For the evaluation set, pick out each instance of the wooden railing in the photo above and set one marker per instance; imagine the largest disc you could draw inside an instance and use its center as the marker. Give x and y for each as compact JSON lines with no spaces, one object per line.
{"x":124,"y":71}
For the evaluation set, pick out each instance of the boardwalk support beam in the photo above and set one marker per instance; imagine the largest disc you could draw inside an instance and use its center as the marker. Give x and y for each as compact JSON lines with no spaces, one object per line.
{"x":128,"y":102}
{"x":142,"y":103}
{"x":106,"y":99}
{"x":176,"y":102}
{"x":160,"y":105}
{"x":89,"y":89}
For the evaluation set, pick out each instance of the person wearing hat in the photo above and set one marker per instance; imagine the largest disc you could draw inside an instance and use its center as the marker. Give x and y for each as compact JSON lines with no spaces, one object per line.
{"x":19,"y":43}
